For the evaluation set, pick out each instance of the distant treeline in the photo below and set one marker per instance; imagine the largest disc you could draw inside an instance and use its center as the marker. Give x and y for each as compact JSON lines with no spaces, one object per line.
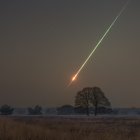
{"x":90,"y":100}
{"x":63,"y":110}
{"x":87,"y":101}
{"x":66,"y":110}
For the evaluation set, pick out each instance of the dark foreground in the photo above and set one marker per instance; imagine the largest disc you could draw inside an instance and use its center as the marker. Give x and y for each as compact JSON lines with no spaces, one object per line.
{"x":69,"y":128}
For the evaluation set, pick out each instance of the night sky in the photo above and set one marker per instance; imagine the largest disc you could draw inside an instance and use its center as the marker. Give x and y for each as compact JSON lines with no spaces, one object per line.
{"x":44,"y":42}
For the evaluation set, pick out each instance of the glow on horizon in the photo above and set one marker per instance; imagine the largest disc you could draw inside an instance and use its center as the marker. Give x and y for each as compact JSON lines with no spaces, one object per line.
{"x":99,"y":42}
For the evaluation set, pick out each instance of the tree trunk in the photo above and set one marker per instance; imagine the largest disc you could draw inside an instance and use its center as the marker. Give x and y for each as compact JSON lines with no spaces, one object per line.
{"x":96,"y":109}
{"x":87,"y":111}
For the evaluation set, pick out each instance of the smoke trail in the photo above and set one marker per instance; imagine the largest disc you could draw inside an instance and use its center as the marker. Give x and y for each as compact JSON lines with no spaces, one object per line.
{"x":99,"y":42}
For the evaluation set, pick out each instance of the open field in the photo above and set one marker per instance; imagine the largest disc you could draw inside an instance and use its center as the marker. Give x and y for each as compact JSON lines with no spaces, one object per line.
{"x":69,"y":128}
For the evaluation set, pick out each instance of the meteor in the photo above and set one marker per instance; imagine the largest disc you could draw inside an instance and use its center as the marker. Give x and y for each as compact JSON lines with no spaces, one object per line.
{"x":74,"y":77}
{"x":99,"y":42}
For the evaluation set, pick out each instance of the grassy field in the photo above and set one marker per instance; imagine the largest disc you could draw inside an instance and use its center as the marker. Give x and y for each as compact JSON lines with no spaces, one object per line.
{"x":69,"y":128}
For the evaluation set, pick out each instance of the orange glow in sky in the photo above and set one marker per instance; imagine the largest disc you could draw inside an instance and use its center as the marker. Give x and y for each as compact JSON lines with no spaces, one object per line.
{"x":74,"y":77}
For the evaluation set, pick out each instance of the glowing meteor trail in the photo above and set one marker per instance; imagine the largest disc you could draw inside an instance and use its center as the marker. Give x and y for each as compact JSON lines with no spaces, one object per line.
{"x":99,"y":42}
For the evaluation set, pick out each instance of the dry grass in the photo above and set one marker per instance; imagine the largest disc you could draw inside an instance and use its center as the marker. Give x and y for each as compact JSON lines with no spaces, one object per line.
{"x":66,"y":128}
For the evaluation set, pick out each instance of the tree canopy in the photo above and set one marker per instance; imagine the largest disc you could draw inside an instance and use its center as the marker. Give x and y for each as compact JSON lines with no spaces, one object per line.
{"x":6,"y":110}
{"x":37,"y":110}
{"x":91,"y":97}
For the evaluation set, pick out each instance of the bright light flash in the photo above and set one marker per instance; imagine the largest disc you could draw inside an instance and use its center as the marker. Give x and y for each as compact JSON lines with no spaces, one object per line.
{"x":74,"y":77}
{"x":99,"y":42}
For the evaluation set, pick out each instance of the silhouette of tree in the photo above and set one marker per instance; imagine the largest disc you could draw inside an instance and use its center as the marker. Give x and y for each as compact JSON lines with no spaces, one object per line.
{"x":91,"y":97}
{"x":82,"y":100}
{"x":37,"y":110}
{"x":98,"y":99}
{"x":65,"y":110}
{"x":6,"y":110}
